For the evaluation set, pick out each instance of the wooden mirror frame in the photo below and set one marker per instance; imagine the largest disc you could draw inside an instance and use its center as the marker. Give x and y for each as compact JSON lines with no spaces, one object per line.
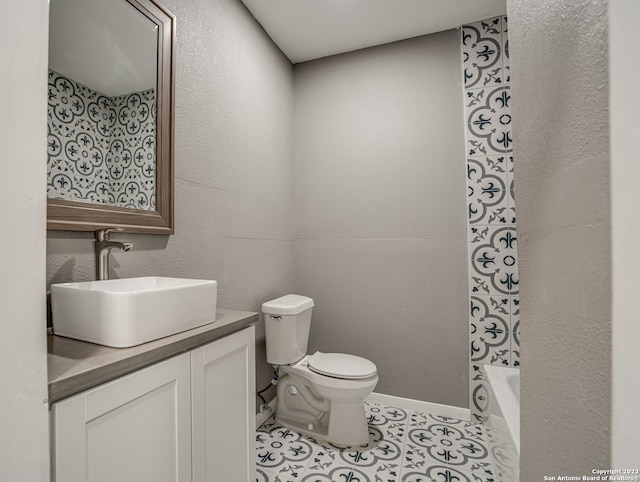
{"x":84,"y":216}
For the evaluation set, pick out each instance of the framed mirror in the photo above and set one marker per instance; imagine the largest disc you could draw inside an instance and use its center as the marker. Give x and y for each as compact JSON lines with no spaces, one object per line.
{"x":110,"y":116}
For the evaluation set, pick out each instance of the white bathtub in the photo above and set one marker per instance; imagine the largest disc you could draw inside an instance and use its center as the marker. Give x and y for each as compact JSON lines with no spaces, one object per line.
{"x":502,"y":420}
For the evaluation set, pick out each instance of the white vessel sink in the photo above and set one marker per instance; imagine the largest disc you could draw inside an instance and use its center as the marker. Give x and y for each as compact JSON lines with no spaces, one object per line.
{"x":126,"y":312}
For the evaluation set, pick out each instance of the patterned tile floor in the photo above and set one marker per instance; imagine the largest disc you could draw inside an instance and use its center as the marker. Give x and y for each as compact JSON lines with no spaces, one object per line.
{"x":405,"y":446}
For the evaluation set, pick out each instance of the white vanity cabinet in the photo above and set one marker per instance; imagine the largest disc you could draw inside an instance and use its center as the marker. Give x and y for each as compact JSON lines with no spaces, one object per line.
{"x":223,"y":409}
{"x":137,"y":427}
{"x":188,"y":418}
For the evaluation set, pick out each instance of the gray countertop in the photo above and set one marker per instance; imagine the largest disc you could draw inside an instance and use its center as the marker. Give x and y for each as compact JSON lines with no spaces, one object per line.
{"x":75,"y":366}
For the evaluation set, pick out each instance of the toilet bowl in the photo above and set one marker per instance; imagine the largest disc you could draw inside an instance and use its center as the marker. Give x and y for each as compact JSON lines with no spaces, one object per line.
{"x":325,"y":406}
{"x":321,"y":395}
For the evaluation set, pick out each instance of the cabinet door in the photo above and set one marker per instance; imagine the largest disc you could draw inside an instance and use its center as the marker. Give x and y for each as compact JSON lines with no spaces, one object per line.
{"x":136,"y":428}
{"x":223,"y":408}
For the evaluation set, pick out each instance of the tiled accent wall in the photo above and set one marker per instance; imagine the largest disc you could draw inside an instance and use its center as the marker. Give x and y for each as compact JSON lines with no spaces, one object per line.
{"x":493,"y":260}
{"x":100,"y":149}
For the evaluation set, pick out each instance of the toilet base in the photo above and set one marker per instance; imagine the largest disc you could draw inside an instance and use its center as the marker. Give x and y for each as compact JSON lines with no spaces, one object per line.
{"x":340,"y":420}
{"x":353,"y":433}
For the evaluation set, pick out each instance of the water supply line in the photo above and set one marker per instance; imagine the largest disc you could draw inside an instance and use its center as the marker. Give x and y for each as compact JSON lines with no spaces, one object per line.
{"x":272,"y":382}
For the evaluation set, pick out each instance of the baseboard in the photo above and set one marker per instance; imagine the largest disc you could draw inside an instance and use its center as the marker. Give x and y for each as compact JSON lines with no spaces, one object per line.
{"x":419,"y":406}
{"x":262,"y":417}
{"x":405,"y":403}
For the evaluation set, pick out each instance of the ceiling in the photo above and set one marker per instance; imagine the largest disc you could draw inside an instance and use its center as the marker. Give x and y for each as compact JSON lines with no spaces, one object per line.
{"x":108,"y":46}
{"x":310,"y":29}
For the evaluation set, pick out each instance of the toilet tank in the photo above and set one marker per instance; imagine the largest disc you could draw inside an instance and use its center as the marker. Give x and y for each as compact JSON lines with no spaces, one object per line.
{"x":287,"y":321}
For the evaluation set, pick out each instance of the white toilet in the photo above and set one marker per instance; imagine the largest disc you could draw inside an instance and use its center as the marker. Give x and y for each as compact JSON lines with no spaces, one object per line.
{"x":323,"y":394}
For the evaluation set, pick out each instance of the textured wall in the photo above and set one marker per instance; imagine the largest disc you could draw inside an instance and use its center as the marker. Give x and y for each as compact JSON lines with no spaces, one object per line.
{"x":233,"y":169}
{"x":24,"y":450}
{"x":560,"y":107}
{"x":625,"y":198}
{"x":380,"y":203}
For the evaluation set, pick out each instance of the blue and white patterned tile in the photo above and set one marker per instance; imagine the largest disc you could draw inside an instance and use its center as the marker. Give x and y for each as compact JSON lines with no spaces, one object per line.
{"x":60,"y":185}
{"x":506,"y":62}
{"x":54,"y":142}
{"x":478,"y":394}
{"x":268,"y":425}
{"x":442,"y":473}
{"x":65,"y":101}
{"x":75,"y":160}
{"x":507,"y":162}
{"x":264,"y":476}
{"x":423,"y":420}
{"x":325,"y":458}
{"x":487,"y":201}
{"x":382,"y":466}
{"x":390,"y":421}
{"x":98,"y":133}
{"x":290,"y":473}
{"x":382,"y":415}
{"x":384,"y":472}
{"x":482,"y":53}
{"x":378,"y":451}
{"x":416,"y":458}
{"x":512,"y":203}
{"x":282,"y":451}
{"x":382,"y":460}
{"x":268,"y":476}
{"x":510,"y":187}
{"x":488,"y":116}
{"x":514,"y":268}
{"x":515,"y":331}
{"x":346,"y":474}
{"x":489,"y":330}
{"x":493,"y":267}
{"x":492,"y":260}
{"x":480,"y":472}
{"x":443,"y":441}
{"x":451,"y":445}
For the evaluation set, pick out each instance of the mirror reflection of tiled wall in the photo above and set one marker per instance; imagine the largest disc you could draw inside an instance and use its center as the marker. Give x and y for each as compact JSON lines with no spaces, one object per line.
{"x":491,"y":217}
{"x":100,"y":149}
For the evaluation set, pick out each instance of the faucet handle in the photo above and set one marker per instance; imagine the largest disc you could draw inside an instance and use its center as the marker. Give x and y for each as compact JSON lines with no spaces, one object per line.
{"x":103,"y":234}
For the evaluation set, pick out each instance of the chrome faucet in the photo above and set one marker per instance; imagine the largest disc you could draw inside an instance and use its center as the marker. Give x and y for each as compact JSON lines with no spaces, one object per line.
{"x":102,"y":247}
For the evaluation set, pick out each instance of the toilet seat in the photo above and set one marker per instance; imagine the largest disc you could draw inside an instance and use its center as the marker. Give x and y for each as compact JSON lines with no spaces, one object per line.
{"x":341,"y":365}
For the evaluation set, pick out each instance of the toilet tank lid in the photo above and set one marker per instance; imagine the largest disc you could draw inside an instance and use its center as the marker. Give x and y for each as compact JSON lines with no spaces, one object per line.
{"x":287,"y":305}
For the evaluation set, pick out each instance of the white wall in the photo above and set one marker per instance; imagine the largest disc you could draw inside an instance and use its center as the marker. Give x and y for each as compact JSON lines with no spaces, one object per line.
{"x":24,"y":450}
{"x":625,"y":199}
{"x":559,"y":67}
{"x":380,"y":212}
